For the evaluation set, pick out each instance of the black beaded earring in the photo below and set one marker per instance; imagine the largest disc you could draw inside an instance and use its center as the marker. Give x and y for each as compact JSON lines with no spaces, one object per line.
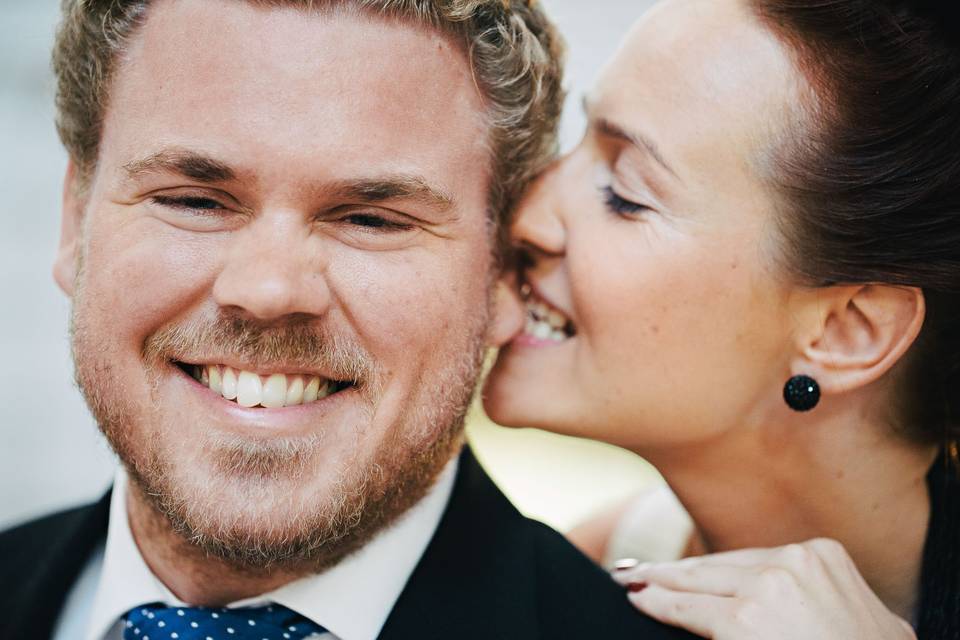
{"x":802,"y":393}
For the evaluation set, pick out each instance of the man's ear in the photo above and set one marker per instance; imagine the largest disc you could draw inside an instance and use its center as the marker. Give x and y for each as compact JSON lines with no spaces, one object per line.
{"x":508,"y":313}
{"x":857,"y":334}
{"x":71,"y":220}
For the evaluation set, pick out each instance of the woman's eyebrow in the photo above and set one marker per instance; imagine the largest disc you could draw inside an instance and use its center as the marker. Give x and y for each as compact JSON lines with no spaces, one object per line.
{"x":638,"y":140}
{"x":642,"y":142}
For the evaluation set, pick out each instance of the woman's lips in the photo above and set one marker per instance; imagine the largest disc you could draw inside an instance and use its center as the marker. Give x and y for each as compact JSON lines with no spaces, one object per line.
{"x":545,"y":323}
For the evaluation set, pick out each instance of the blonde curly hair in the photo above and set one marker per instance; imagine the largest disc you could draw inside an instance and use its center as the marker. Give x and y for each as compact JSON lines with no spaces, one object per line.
{"x":514,"y":51}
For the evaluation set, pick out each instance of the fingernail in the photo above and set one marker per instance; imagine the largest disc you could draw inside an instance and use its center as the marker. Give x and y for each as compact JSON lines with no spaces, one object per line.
{"x":636,"y":587}
{"x":624,"y":564}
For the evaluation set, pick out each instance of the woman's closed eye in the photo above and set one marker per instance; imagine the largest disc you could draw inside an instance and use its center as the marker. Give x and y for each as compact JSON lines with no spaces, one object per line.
{"x":621,"y":206}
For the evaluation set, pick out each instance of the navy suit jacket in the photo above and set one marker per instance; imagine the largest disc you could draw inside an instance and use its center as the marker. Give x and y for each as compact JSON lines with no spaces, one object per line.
{"x":488,"y":573}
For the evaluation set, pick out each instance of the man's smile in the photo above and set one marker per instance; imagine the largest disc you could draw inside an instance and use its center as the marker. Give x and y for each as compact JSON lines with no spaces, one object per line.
{"x":271,"y":391}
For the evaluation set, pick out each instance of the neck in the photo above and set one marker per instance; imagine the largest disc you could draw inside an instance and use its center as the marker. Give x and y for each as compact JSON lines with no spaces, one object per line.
{"x":832,"y":479}
{"x":190,"y":574}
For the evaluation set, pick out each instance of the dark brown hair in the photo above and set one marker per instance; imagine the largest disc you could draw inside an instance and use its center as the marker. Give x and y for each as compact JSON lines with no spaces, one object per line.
{"x":870,"y":183}
{"x":871,"y":180}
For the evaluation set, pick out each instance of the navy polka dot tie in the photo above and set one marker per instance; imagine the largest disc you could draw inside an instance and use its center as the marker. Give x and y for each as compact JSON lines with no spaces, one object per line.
{"x":272,"y":622}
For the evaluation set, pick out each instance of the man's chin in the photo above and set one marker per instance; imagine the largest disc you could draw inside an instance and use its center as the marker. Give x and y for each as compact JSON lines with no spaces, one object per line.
{"x":252,"y":513}
{"x":282,"y":506}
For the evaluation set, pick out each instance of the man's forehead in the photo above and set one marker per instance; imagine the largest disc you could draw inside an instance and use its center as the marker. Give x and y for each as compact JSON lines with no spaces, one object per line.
{"x":380,"y":101}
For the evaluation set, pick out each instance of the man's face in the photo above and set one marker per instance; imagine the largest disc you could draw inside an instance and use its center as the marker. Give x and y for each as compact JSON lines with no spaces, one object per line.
{"x":282,"y":192}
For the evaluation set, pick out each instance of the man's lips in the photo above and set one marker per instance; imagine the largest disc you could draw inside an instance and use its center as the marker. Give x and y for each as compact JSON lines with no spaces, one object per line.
{"x":255,"y":389}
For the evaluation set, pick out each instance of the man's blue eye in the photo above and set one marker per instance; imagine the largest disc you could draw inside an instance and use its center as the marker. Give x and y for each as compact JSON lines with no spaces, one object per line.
{"x":619,"y":205}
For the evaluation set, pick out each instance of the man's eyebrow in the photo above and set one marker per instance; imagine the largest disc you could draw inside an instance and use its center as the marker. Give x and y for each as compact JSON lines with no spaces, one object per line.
{"x":190,"y":164}
{"x":202,"y":168}
{"x":393,"y":187}
{"x":642,"y":142}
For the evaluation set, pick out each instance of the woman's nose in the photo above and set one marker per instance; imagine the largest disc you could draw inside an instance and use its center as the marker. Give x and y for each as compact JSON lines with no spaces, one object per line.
{"x":538,"y":226}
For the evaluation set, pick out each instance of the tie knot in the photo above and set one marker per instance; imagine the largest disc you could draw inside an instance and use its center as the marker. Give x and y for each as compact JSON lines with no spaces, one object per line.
{"x":270,"y":622}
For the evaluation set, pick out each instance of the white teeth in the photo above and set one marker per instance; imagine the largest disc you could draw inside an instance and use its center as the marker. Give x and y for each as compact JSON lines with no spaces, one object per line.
{"x":545,"y":323}
{"x":540,"y":313}
{"x":272,"y":392}
{"x":229,"y":383}
{"x":311,"y":390}
{"x":556,"y":319}
{"x":294,"y":391}
{"x":542,"y":330}
{"x":326,"y":388}
{"x":249,"y":389}
{"x":216,"y":381}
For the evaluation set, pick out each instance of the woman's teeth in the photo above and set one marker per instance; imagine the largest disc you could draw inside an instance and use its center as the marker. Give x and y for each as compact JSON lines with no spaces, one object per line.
{"x":252,"y":390}
{"x":545,"y":322}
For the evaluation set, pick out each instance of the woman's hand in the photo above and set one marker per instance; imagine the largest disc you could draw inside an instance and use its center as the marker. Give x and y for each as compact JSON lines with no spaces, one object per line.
{"x":797,"y":592}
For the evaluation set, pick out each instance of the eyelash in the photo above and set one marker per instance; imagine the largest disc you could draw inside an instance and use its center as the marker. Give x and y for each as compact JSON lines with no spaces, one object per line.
{"x":376,"y":224}
{"x":619,"y":205}
{"x":195,"y":203}
{"x":373,"y":223}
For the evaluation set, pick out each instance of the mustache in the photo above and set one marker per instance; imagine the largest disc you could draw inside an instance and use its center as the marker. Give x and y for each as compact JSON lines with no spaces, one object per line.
{"x":300,"y":343}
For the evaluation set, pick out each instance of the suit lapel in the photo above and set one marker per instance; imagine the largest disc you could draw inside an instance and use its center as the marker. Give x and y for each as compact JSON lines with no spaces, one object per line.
{"x":47,"y":566}
{"x":477,"y":568}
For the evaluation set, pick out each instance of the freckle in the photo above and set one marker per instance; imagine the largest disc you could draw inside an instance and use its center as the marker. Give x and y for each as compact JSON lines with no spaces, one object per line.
{"x":840,"y":474}
{"x":734,"y":265}
{"x":655,"y":329}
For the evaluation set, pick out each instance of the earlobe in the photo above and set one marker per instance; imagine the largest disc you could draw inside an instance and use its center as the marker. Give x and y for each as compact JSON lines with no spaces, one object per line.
{"x":71,"y":219}
{"x":864,"y":331}
{"x":508,"y":314}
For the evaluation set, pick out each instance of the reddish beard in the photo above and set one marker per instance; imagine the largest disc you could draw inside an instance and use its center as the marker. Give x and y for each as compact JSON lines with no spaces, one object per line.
{"x":252,"y":511}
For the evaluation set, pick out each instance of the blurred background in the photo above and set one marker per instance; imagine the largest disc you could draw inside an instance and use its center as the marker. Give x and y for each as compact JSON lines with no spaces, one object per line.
{"x":51,"y":453}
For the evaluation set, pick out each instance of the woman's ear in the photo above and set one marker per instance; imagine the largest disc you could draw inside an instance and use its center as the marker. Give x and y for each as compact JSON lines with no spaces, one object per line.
{"x":508,"y":314}
{"x":71,"y":219}
{"x":857,"y":334}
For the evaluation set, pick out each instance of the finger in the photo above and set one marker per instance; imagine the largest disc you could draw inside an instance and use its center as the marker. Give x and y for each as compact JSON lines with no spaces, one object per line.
{"x":625,"y":563}
{"x":740,"y":557}
{"x":835,"y":561}
{"x":625,"y":571}
{"x":698,"y":613}
{"x":717,"y":580}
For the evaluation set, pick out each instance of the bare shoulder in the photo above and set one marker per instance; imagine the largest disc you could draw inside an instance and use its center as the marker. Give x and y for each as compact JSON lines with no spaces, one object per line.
{"x":654,"y":528}
{"x":650,"y":526}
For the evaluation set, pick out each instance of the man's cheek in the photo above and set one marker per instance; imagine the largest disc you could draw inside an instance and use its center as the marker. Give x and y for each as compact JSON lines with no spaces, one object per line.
{"x":422,"y":310}
{"x":147,"y":281}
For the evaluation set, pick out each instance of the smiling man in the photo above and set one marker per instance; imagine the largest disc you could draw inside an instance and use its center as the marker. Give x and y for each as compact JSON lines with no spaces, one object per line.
{"x":281,"y":236}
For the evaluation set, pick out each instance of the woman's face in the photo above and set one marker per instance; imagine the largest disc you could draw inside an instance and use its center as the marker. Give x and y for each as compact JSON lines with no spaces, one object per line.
{"x":655,"y":242}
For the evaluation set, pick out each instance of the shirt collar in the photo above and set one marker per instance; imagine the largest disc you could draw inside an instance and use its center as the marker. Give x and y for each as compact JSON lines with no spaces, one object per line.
{"x":352,"y":599}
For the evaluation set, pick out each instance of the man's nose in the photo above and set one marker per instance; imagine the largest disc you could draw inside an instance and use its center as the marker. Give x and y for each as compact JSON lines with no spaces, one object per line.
{"x":273,"y":269}
{"x":539,"y":224}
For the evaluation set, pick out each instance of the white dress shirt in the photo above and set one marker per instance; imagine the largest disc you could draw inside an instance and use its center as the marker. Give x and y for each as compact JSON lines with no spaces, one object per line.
{"x":351,"y":599}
